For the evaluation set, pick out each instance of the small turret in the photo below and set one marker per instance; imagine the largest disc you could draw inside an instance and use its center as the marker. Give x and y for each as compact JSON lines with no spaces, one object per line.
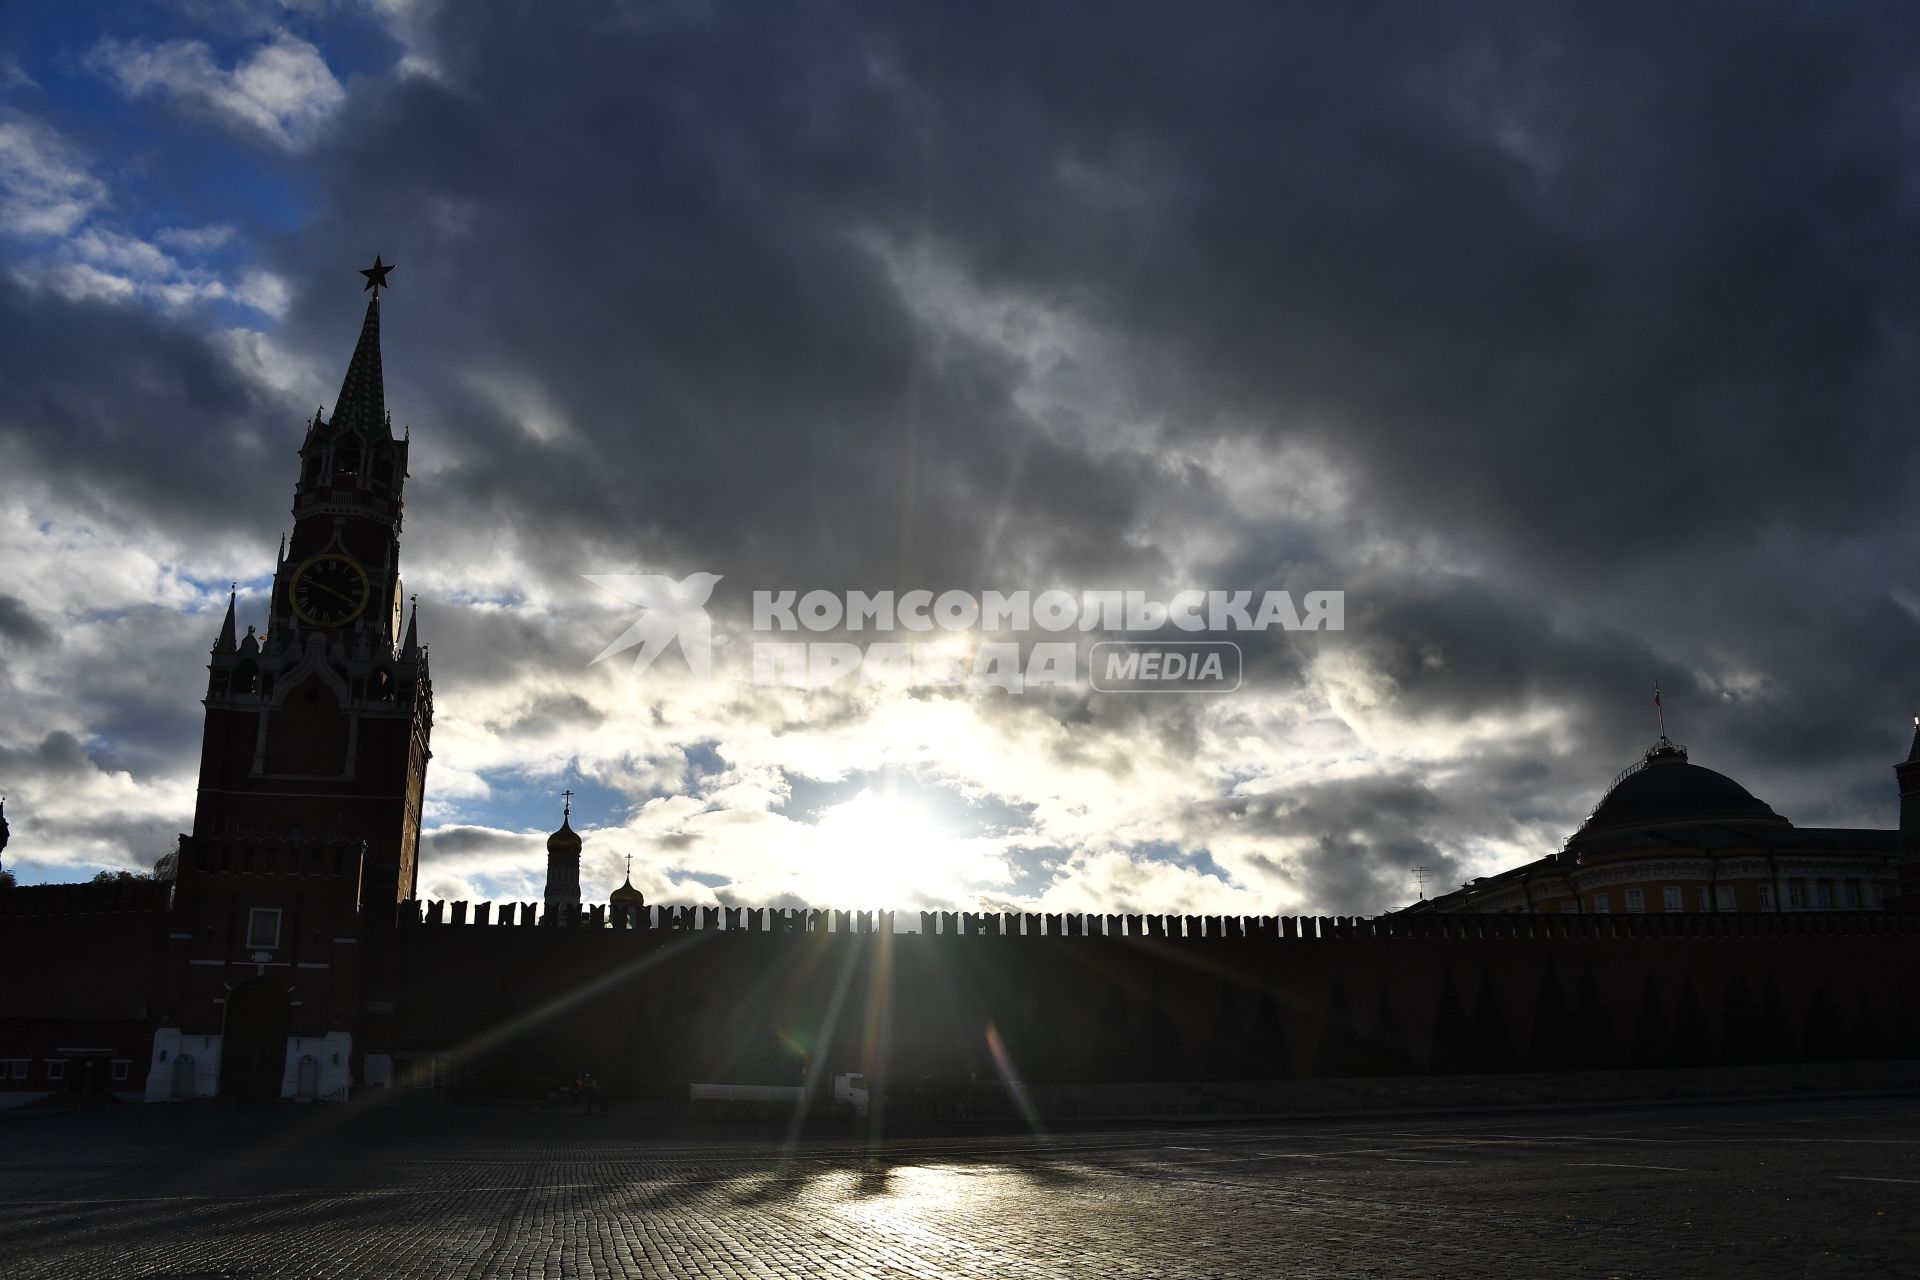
{"x":627,"y":902}
{"x":225,"y":642}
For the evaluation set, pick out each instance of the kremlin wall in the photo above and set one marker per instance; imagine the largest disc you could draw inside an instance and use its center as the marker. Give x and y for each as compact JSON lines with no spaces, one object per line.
{"x":517,"y":1003}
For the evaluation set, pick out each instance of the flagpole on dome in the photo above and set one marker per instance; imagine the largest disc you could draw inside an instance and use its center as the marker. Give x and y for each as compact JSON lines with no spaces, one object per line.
{"x":1660,"y":711}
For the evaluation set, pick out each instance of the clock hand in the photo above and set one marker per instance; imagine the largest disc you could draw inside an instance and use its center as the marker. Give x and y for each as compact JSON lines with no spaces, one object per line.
{"x":339,"y":595}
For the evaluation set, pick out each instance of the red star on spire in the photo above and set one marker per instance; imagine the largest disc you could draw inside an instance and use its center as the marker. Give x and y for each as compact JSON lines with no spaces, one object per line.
{"x":377,"y":274}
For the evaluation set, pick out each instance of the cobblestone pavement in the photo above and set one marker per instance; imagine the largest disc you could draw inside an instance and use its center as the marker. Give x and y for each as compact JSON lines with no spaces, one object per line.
{"x":1828,"y":1188}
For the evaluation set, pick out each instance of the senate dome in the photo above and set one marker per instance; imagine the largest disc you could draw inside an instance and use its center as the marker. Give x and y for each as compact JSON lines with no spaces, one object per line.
{"x":1664,"y":789}
{"x":1671,"y":837}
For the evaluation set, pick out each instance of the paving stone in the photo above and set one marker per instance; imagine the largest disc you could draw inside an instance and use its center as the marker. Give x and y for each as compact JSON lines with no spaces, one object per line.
{"x":1802,"y":1189}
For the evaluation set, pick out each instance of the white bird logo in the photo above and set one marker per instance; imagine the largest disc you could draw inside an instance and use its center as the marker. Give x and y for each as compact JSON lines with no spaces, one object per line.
{"x":669,"y":611}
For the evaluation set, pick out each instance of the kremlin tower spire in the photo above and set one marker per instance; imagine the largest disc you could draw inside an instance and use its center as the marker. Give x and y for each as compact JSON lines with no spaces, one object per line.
{"x":225,"y":642}
{"x":362,"y":404}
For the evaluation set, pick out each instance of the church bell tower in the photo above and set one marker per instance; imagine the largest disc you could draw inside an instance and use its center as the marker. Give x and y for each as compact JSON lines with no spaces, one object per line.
{"x":562,"y":895}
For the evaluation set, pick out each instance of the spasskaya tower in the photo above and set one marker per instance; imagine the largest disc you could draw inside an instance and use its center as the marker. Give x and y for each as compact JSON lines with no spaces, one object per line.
{"x":319,"y":728}
{"x":282,"y":960}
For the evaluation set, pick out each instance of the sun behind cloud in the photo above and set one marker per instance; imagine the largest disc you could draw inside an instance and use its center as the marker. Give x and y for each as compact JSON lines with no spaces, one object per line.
{"x":878,"y":847}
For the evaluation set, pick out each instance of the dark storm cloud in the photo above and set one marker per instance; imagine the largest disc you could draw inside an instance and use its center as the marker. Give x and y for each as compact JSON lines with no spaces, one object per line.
{"x":1366,"y":837}
{"x":148,"y":731}
{"x":122,"y":411}
{"x":1581,"y":292}
{"x":552,"y":714}
{"x":144,"y":840}
{"x":1582,"y":295}
{"x":1577,"y":291}
{"x":470,"y":840}
{"x":671,"y":248}
{"x":1455,"y":646}
{"x":20,"y":626}
{"x":56,"y":756}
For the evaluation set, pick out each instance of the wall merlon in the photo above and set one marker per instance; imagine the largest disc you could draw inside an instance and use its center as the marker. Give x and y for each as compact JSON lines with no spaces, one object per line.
{"x":86,"y":899}
{"x":54,"y":900}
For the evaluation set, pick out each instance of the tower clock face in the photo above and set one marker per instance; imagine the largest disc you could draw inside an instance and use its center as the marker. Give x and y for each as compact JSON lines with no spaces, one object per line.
{"x":330,"y":590}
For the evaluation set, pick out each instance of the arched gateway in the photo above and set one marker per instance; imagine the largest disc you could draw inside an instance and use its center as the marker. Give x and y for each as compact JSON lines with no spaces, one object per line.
{"x":253,"y":1051}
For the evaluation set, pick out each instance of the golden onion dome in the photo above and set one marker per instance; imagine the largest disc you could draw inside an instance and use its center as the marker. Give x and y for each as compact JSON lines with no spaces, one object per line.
{"x":565,"y":840}
{"x":627,"y":895}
